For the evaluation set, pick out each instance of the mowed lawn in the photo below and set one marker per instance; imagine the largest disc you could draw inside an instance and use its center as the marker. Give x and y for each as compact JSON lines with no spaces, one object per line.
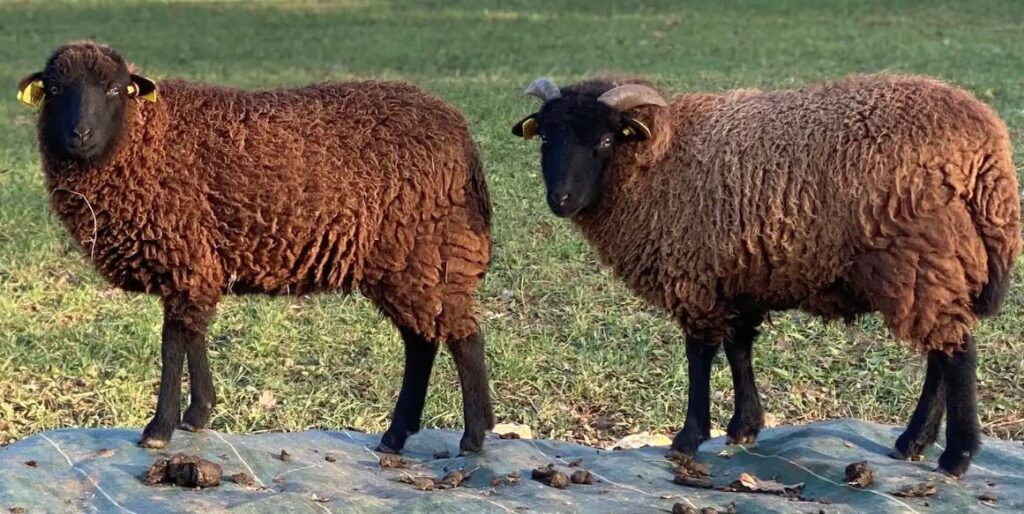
{"x":571,"y":352}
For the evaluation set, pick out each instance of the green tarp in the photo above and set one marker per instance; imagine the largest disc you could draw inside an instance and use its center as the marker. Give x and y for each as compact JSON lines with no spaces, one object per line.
{"x":99,"y":470}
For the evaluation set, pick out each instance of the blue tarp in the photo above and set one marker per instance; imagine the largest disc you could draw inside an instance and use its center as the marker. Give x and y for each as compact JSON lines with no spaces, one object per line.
{"x":99,"y":470}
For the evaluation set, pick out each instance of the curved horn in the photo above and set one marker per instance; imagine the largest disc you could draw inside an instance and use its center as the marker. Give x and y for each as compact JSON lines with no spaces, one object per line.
{"x":628,"y":96}
{"x":544,"y":89}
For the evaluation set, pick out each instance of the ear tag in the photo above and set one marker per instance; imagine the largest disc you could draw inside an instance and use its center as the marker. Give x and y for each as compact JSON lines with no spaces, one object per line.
{"x":32,"y":94}
{"x":529,"y":128}
{"x":133,"y":90}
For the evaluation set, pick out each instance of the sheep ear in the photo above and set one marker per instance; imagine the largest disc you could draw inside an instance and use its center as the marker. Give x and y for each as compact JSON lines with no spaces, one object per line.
{"x":634,"y":130}
{"x":527,"y":127}
{"x":30,"y":89}
{"x":143,"y":88}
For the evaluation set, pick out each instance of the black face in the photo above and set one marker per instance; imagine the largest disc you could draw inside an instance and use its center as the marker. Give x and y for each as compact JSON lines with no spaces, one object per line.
{"x":83,"y":115}
{"x":579,"y":137}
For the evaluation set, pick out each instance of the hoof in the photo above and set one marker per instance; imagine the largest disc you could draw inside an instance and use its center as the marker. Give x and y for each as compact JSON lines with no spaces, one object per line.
{"x":471,"y":444}
{"x":186,"y":426}
{"x":687,"y":443}
{"x":383,"y":448}
{"x":741,"y":439}
{"x":156,"y":436}
{"x":391,"y":443}
{"x":195,"y":418}
{"x":678,"y":456}
{"x":744,"y":428}
{"x":954,"y":464}
{"x":153,"y":443}
{"x":898,"y":455}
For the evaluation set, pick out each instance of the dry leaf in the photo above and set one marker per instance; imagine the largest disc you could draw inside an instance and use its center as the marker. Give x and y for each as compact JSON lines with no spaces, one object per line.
{"x":521,"y":431}
{"x":267,"y":400}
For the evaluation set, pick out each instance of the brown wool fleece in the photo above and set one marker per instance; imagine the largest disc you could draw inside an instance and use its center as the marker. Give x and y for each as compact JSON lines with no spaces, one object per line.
{"x":884,"y":193}
{"x":369,"y":186}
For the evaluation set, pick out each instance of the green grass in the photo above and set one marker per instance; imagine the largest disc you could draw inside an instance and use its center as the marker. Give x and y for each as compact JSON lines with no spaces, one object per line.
{"x":571,"y":352}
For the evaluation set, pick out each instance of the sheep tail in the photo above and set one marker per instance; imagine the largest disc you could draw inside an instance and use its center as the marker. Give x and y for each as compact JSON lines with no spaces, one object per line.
{"x":995,"y":207}
{"x":477,"y":199}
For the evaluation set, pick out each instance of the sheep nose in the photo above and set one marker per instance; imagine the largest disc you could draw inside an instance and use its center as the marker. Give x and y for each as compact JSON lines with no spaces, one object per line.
{"x":559,"y":199}
{"x":82,"y":134}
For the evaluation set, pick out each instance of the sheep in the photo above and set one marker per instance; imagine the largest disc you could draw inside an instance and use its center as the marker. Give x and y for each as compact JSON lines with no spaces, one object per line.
{"x":879,"y":193}
{"x":191,"y":192}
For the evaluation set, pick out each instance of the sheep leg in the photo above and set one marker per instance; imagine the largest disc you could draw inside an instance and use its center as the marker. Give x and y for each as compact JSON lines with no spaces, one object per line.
{"x":697,"y":428}
{"x":168,"y":404}
{"x":923,"y":428}
{"x":468,"y":354}
{"x":203,"y":395}
{"x":963,"y":430}
{"x":748,"y":415}
{"x":419,"y":362}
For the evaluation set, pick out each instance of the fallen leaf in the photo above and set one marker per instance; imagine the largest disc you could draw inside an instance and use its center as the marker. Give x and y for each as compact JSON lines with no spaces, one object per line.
{"x":184,"y":471}
{"x":267,"y":400}
{"x":750,"y":483}
{"x":921,"y":490}
{"x":682,"y":508}
{"x":582,"y":477}
{"x":504,"y":429}
{"x":393,"y":461}
{"x":859,"y":475}
{"x":548,"y":475}
{"x":419,"y":483}
{"x":641,"y":440}
{"x":243,"y":479}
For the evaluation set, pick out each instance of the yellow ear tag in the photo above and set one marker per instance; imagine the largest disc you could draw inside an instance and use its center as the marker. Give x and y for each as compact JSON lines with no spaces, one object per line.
{"x":628,"y":131}
{"x":529,"y":128}
{"x":133,"y":90}
{"x":32,"y":94}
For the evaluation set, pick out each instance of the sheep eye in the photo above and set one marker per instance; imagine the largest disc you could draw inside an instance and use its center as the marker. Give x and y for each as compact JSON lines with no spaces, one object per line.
{"x":54,"y":90}
{"x":605,"y":142}
{"x":114,"y":91}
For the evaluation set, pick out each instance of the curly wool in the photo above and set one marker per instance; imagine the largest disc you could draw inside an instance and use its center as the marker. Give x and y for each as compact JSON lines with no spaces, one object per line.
{"x":369,"y":186}
{"x":894,"y":194}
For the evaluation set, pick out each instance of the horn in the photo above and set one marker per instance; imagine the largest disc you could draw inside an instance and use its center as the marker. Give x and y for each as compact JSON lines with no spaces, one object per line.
{"x":628,"y":96}
{"x":544,"y":89}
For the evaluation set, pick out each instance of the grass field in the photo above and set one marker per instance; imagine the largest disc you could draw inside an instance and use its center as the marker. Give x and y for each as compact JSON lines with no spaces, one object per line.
{"x":571,"y":353}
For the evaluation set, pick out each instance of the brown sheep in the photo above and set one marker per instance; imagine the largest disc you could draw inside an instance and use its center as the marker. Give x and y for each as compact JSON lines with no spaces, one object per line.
{"x":368,"y":186}
{"x":877,"y":193}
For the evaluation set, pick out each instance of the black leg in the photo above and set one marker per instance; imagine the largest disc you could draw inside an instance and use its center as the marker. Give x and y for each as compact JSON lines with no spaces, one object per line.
{"x":203,"y":395}
{"x":923,"y":428}
{"x":748,"y":416}
{"x":697,"y":428}
{"x":468,"y":354}
{"x":168,"y":405}
{"x":419,"y":361}
{"x":963,"y":431}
